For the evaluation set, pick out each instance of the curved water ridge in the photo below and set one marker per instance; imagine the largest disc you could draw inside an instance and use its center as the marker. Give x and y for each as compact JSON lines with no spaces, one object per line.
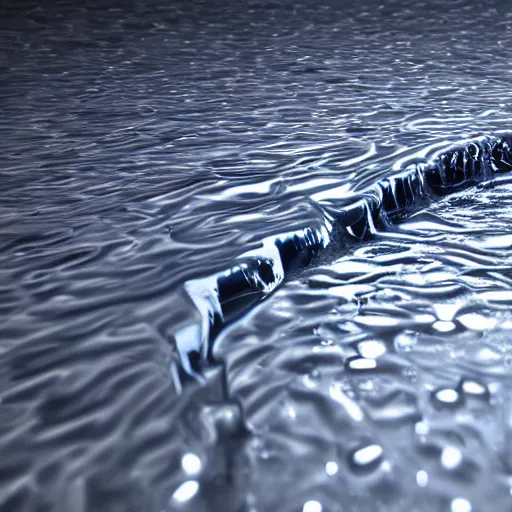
{"x":223,"y":297}
{"x":380,"y":380}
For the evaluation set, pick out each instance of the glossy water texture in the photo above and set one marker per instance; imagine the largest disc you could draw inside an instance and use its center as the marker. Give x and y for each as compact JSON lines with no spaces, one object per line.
{"x":148,"y":146}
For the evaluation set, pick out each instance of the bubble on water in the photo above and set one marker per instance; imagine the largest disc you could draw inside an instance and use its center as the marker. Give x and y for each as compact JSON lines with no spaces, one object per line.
{"x":451,"y":457}
{"x":461,"y":505}
{"x":422,"y":478}
{"x":312,"y":506}
{"x":186,"y":491}
{"x":191,"y":464}
{"x":331,"y":468}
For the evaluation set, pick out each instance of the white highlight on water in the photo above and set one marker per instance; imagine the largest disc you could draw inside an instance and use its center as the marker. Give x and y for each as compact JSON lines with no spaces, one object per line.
{"x":312,"y":506}
{"x":191,"y":464}
{"x":186,"y":491}
{"x":461,"y":505}
{"x":331,"y":468}
{"x":451,"y":457}
{"x":367,"y":454}
{"x":422,"y":478}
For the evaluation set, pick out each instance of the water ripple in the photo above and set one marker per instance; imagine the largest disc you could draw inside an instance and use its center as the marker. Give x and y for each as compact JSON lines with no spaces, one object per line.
{"x":165,"y":167}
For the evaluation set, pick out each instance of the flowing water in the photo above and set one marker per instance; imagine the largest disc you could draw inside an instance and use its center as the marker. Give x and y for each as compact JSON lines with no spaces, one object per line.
{"x":166,"y":166}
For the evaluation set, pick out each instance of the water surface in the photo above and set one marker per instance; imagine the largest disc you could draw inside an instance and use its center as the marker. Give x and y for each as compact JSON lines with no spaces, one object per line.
{"x":147,"y":145}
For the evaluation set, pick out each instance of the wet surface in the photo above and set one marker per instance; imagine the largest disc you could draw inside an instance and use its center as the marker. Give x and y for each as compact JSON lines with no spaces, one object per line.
{"x":146,"y":147}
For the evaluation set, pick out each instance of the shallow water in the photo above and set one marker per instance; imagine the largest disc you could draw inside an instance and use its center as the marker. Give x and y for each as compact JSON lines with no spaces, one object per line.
{"x":145,"y":147}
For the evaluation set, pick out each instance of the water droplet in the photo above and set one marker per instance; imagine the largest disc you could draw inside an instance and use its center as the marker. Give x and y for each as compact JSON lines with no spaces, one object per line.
{"x":451,"y":457}
{"x":191,"y":464}
{"x":331,"y":468}
{"x":312,"y":506}
{"x":422,"y":478}
{"x":461,"y":505}
{"x":186,"y":491}
{"x":368,"y":455}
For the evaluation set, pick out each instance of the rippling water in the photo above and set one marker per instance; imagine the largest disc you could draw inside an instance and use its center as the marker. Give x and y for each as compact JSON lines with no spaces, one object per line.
{"x":153,"y":155}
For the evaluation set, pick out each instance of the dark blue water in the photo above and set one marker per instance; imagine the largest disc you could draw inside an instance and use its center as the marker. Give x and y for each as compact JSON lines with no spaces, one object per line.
{"x":189,"y":317}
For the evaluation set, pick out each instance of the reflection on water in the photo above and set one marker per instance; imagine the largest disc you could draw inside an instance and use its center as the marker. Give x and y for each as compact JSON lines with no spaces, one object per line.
{"x":150,"y":147}
{"x":395,"y":360}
